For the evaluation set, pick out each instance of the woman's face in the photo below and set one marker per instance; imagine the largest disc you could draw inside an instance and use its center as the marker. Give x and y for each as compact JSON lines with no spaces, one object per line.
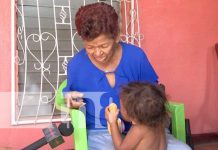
{"x":101,"y":49}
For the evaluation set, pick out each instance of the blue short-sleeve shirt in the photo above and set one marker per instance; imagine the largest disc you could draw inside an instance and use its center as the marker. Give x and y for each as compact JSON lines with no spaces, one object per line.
{"x":84,"y":76}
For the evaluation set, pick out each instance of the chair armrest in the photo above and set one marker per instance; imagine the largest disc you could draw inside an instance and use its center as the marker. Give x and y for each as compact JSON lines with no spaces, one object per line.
{"x":178,"y":120}
{"x":78,"y":119}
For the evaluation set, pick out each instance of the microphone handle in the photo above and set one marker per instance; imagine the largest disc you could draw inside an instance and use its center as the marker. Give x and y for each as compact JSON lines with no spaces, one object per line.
{"x":36,"y":145}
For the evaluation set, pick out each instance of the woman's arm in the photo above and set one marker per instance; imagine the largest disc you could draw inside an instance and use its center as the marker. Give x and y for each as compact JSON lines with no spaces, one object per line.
{"x":73,"y":99}
{"x":146,"y":70}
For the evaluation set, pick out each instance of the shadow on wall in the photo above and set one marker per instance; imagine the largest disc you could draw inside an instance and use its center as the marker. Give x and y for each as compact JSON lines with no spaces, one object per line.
{"x":216,"y":48}
{"x":210,"y":101}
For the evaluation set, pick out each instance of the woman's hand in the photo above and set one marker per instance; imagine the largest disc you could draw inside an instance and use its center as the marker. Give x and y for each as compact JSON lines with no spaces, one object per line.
{"x":111,"y":116}
{"x":74,"y":99}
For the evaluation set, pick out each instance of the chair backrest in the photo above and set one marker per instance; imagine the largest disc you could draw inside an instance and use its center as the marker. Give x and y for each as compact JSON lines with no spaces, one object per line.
{"x":177,"y":120}
{"x":177,"y":117}
{"x":78,"y":120}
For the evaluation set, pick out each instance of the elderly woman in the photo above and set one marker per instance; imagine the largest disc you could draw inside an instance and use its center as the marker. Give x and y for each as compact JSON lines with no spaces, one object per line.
{"x":101,"y":68}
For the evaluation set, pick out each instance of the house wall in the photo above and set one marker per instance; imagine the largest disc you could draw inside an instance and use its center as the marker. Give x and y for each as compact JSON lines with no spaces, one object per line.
{"x":14,"y":136}
{"x":179,"y":39}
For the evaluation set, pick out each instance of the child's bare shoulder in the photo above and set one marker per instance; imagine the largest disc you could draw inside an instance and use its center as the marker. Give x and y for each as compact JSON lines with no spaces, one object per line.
{"x":153,"y":139}
{"x":140,"y":130}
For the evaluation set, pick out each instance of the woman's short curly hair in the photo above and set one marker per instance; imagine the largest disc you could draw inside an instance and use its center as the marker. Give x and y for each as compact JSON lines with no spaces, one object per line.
{"x":95,"y":19}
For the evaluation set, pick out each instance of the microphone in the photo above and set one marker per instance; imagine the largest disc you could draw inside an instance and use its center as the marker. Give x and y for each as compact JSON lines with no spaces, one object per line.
{"x":53,"y":136}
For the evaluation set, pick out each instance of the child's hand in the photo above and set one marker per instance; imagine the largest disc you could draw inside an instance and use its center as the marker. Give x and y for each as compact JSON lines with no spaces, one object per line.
{"x":111,"y":116}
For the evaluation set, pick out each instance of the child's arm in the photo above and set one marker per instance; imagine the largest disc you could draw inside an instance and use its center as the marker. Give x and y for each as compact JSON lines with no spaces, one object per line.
{"x":116,"y":136}
{"x":131,"y":140}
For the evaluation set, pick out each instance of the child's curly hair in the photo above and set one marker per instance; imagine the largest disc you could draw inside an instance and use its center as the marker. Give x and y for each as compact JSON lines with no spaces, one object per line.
{"x":144,"y":102}
{"x":95,"y":19}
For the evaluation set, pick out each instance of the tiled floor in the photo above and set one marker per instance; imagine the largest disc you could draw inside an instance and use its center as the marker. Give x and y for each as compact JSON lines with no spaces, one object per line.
{"x":206,"y":141}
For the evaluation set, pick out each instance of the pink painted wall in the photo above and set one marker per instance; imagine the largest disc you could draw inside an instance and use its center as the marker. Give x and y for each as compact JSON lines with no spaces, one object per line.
{"x":179,"y":38}
{"x":5,"y":62}
{"x":13,"y":136}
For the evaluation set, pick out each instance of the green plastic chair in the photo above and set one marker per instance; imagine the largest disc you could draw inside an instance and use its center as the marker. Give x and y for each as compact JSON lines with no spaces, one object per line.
{"x":78,"y":120}
{"x":177,"y":120}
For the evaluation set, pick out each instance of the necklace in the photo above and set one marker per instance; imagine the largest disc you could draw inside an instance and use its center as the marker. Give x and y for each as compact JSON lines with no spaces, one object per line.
{"x":109,"y":72}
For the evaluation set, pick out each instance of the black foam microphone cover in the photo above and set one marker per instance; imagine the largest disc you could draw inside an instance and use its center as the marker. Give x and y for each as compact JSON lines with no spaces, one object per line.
{"x":66,"y":129}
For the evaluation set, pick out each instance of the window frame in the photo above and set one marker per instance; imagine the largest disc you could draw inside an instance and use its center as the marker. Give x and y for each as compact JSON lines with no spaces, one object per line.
{"x":131,"y":34}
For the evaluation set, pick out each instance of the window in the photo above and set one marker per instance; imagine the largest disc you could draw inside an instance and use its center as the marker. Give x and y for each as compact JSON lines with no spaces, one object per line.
{"x":46,"y":39}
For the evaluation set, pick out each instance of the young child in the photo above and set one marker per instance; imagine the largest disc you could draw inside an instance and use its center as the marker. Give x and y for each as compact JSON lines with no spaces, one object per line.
{"x":142,"y":104}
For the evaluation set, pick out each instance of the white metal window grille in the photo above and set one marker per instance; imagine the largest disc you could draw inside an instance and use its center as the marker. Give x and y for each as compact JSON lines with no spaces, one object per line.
{"x":44,"y":42}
